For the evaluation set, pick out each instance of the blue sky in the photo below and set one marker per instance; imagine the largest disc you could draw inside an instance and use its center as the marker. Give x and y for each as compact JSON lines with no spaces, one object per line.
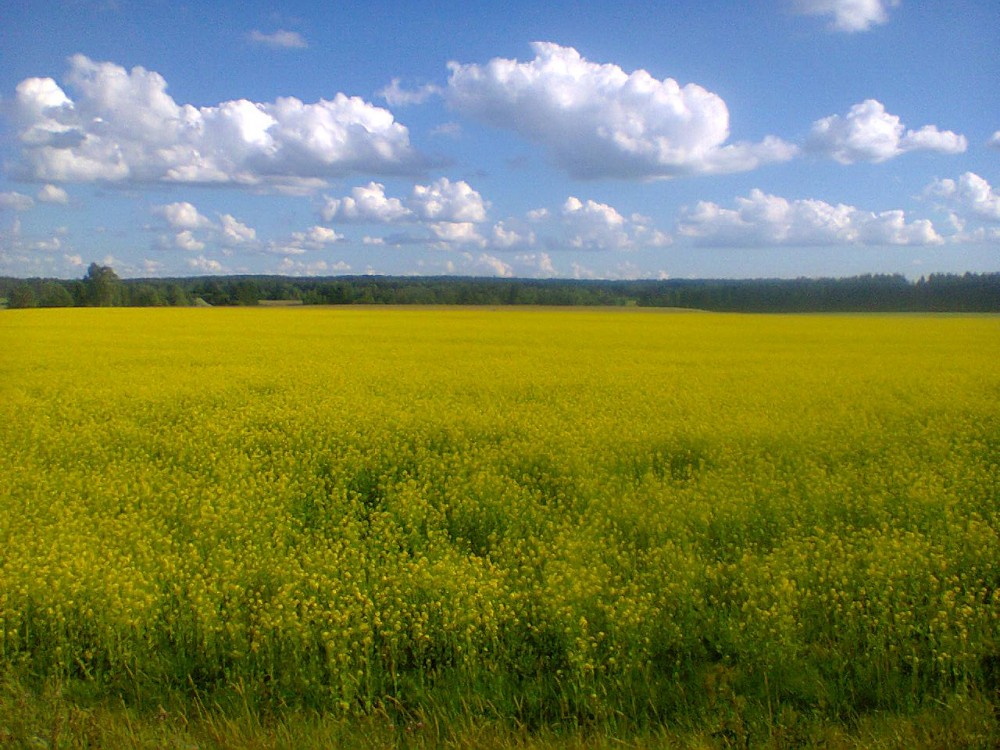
{"x":777,"y":138}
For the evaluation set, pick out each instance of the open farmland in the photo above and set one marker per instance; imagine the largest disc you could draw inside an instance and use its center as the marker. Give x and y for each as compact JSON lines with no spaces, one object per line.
{"x":593,"y":522}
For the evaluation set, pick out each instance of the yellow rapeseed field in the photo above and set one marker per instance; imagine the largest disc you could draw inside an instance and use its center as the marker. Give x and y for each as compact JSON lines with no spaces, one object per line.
{"x":551,"y":515}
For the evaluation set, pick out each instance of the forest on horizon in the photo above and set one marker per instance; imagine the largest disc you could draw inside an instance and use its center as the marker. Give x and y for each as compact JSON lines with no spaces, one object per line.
{"x":102,"y":287}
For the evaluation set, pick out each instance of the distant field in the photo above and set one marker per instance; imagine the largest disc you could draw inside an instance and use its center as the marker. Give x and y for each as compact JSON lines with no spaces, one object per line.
{"x":574,"y":521}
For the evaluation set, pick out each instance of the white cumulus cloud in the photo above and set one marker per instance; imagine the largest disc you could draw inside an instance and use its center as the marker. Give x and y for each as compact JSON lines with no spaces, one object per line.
{"x":14,"y":201}
{"x":596,"y":120}
{"x":849,"y":15}
{"x":597,"y":226}
{"x":503,"y":237}
{"x":208,"y":265}
{"x":124,"y":126}
{"x":540,"y":264}
{"x":52,"y":194}
{"x":971,"y":195}
{"x":869,"y":133}
{"x":762,"y":220}
{"x":395,"y":95}
{"x":367,"y":204}
{"x":994,"y":141}
{"x":322,"y":236}
{"x":193,"y":230}
{"x":235,"y":232}
{"x":441,"y":201}
{"x":493,"y":265}
{"x":315,"y":238}
{"x":183,"y":215}
{"x":456,"y":233}
{"x":186,"y":241}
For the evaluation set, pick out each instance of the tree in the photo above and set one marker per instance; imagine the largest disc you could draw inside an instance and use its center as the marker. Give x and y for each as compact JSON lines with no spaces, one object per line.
{"x":176,"y":296}
{"x":54,"y":294}
{"x":22,"y":296}
{"x":145,"y":295}
{"x":247,"y":292}
{"x":102,"y":285}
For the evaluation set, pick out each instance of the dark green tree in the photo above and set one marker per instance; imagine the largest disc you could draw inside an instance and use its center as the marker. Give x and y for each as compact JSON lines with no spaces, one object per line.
{"x":176,"y":296}
{"x":103,"y":287}
{"x":145,"y":295}
{"x":21,"y":296}
{"x":54,"y":294}
{"x":247,"y":292}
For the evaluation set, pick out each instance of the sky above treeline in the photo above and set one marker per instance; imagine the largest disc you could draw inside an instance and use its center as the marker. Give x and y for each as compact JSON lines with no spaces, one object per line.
{"x":779,"y":138}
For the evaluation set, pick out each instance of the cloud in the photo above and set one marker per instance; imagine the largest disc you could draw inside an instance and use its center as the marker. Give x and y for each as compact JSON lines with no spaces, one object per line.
{"x":441,"y":201}
{"x":454,"y":214}
{"x":50,"y":245}
{"x":578,"y":225}
{"x":396,"y":96}
{"x":235,"y":232}
{"x":869,"y":133}
{"x":315,"y":238}
{"x":539,"y":263}
{"x":762,"y":220}
{"x":582,"y":272}
{"x":201,"y":263}
{"x":52,"y":194}
{"x":288,"y":247}
{"x":292,"y":267}
{"x":468,"y":264}
{"x":456,"y":233}
{"x":994,"y":142}
{"x":280,"y":39}
{"x":596,"y":120}
{"x":504,"y":238}
{"x":367,"y":204}
{"x":183,"y":215}
{"x":322,"y":236}
{"x":124,"y":127}
{"x":151,"y":267}
{"x":15,"y":201}
{"x":185,"y":219}
{"x":970,"y":195}
{"x":186,"y":241}
{"x":493,"y":265}
{"x":597,"y":226}
{"x":848,"y":15}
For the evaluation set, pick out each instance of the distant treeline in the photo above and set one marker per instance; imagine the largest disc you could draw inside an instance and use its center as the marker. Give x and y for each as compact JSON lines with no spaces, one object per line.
{"x":870,"y":293}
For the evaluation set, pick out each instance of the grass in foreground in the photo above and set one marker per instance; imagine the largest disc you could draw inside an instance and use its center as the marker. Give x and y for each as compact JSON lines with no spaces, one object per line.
{"x":49,"y":719}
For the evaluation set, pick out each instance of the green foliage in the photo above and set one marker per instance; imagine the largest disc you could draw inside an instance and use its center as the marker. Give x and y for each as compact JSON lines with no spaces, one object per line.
{"x":54,"y":294}
{"x":22,"y":296}
{"x":145,"y":295}
{"x":936,"y":293}
{"x":102,"y":287}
